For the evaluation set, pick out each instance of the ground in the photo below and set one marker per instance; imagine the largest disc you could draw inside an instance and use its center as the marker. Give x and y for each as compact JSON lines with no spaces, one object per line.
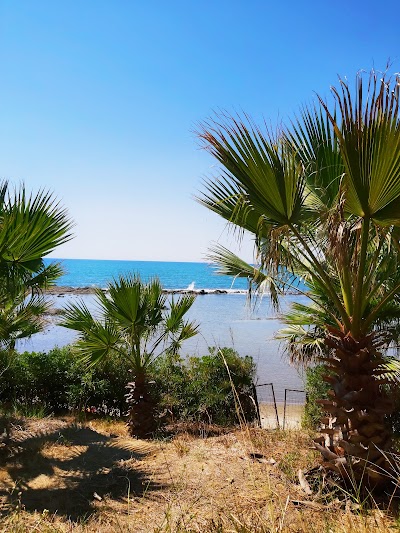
{"x":66,"y":476}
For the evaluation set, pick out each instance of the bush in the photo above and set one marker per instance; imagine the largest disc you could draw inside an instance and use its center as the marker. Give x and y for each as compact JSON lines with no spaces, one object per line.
{"x":200,"y":388}
{"x":36,"y":377}
{"x":316,"y":389}
{"x":58,"y":381}
{"x":196,"y":389}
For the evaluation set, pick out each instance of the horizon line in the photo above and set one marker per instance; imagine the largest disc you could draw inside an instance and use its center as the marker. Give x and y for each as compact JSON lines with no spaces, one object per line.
{"x":130,"y":260}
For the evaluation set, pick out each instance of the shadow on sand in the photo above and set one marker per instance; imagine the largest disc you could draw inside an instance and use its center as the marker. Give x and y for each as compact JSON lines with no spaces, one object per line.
{"x":69,"y":471}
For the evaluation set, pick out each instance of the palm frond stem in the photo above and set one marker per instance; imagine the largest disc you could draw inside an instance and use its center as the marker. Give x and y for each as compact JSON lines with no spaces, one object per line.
{"x":358,"y":304}
{"x":325,"y":278}
{"x":372,"y":316}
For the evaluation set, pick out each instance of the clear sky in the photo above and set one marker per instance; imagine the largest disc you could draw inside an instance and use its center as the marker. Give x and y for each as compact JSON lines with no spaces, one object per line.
{"x":99,"y":100}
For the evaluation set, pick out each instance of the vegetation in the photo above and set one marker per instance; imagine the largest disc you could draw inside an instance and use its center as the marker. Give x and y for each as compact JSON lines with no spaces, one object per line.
{"x":134,"y":323}
{"x":31,"y":226}
{"x":58,"y":381}
{"x":198,"y":389}
{"x":322,"y":200}
{"x":138,"y":323}
{"x":316,"y":389}
{"x":91,"y":476}
{"x":202,"y":389}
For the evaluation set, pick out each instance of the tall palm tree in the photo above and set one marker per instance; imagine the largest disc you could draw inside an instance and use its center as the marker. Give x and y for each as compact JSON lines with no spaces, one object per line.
{"x":322,"y":200}
{"x":136,"y":321}
{"x":31,"y":226}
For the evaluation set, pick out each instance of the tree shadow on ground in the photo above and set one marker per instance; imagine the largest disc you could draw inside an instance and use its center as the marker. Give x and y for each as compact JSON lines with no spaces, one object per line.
{"x":69,"y":471}
{"x":7,"y":421}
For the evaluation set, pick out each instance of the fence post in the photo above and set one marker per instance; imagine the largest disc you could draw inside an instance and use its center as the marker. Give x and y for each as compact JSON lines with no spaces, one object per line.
{"x":276,"y":409}
{"x":285,"y":405}
{"x":284,"y":411}
{"x":257,"y":405}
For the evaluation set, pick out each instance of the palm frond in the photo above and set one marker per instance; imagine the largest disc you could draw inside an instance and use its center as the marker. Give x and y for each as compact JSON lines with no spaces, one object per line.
{"x":32,"y":227}
{"x":389,"y":371}
{"x":261,"y":176}
{"x":229,"y":264}
{"x":368,"y":132}
{"x":303,"y":346}
{"x":314,"y":141}
{"x":133,"y":320}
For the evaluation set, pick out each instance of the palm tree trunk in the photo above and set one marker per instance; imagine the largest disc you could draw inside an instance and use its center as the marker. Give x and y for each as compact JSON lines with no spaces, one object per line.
{"x":141,"y":413}
{"x":356,"y":436}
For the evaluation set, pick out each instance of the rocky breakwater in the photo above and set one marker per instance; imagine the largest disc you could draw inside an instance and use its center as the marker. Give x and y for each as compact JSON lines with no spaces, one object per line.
{"x":63,"y":291}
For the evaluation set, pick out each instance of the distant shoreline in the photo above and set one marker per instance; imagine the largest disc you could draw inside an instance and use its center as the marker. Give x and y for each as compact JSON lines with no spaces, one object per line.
{"x":64,"y":290}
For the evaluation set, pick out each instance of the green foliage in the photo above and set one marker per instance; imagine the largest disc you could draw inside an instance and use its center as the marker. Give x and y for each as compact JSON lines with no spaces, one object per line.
{"x":36,"y":377}
{"x":289,"y":464}
{"x":59,"y":381}
{"x":17,"y":409}
{"x":136,"y":320}
{"x":196,"y":389}
{"x":316,"y":389}
{"x":321,"y":199}
{"x":200,"y":388}
{"x":31,"y":226}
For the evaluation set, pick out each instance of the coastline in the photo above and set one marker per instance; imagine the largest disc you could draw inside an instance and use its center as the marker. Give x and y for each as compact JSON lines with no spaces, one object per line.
{"x":63,"y":290}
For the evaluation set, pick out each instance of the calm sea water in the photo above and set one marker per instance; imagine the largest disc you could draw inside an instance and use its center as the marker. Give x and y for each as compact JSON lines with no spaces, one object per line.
{"x":224,"y":319}
{"x":93,"y":272}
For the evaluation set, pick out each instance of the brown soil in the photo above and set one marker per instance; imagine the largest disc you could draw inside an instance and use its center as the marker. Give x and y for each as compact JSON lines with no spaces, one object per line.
{"x":57,"y":475}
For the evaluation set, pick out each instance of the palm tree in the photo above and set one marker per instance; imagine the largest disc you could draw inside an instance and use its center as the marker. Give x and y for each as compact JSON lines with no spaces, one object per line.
{"x":136,"y":321}
{"x":322,"y":200}
{"x":31,"y":226}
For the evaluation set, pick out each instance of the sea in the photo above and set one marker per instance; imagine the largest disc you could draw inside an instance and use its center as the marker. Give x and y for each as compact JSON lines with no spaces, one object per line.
{"x":225,"y":318}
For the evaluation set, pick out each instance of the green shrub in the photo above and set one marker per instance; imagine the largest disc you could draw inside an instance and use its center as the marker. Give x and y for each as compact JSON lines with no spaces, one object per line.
{"x":200,"y":389}
{"x":59,"y":382}
{"x":316,"y":389}
{"x":38,"y":378}
{"x":196,"y":389}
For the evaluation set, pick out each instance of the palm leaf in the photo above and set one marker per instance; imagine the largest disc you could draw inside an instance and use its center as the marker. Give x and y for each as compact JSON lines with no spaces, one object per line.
{"x":368,"y":133}
{"x":260,"y":174}
{"x":132,"y":320}
{"x":314,"y":141}
{"x":32,"y":227}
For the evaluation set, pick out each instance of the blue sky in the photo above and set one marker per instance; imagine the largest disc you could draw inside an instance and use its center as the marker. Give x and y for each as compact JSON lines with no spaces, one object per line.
{"x":99,"y":100}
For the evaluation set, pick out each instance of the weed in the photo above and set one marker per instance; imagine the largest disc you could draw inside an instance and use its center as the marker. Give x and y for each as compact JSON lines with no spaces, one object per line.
{"x":289,"y":464}
{"x":182,"y":444}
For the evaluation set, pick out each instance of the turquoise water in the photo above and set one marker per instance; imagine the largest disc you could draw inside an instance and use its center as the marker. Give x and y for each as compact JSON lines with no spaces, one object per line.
{"x":173,"y":275}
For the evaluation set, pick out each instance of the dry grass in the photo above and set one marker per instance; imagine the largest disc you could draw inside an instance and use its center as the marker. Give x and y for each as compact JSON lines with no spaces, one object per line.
{"x":93,"y":478}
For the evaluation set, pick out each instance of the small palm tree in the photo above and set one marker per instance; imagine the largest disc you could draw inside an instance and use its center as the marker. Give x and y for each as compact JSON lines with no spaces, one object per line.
{"x":322,"y":200}
{"x":31,"y":226}
{"x":136,"y":321}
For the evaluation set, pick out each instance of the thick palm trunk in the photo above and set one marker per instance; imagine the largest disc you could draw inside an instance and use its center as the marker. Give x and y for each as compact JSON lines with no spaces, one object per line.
{"x":141,"y":413}
{"x":355,"y":434}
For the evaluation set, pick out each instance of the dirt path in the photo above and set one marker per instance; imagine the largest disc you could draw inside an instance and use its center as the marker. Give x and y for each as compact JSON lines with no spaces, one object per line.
{"x":92,"y":477}
{"x":61,"y":467}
